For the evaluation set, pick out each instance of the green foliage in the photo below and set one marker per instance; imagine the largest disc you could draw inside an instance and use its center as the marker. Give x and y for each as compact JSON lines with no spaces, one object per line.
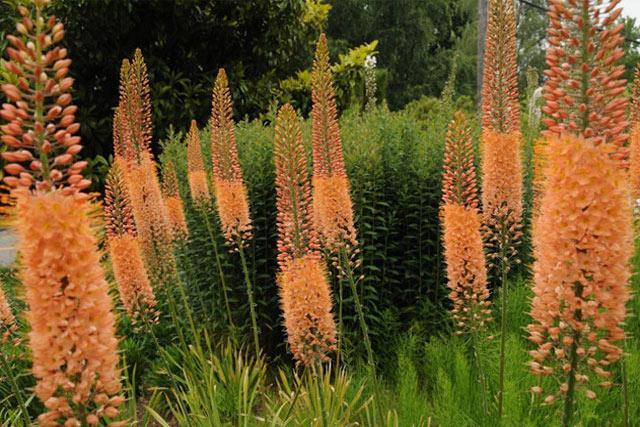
{"x":417,"y":40}
{"x":184,"y":43}
{"x":213,"y":388}
{"x":348,"y":74}
{"x":318,"y":398}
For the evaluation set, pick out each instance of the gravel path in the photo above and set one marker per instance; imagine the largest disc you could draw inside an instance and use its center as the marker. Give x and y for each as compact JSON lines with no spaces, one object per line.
{"x":8,"y":244}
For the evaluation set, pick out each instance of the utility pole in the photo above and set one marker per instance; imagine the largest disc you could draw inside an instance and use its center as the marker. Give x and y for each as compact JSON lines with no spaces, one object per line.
{"x":482,"y":34}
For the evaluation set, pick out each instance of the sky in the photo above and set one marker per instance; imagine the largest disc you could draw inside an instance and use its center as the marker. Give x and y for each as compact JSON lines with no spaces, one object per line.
{"x":631,"y":8}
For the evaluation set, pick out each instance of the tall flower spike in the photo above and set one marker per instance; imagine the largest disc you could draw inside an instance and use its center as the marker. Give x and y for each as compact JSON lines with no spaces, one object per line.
{"x":173,"y":202}
{"x":117,"y":204}
{"x":8,"y":324}
{"x":466,"y":270}
{"x":134,"y":287}
{"x":41,"y":129}
{"x":501,"y":194}
{"x":540,"y":161}
{"x":134,"y":110}
{"x":74,"y":348}
{"x":304,"y":287}
{"x":230,"y":190}
{"x":634,"y":140}
{"x":306,"y":304}
{"x":152,"y":220}
{"x":296,"y":231}
{"x":581,"y":271}
{"x":327,"y":146}
{"x":584,"y":89}
{"x":75,"y":352}
{"x":132,"y":140}
{"x":500,"y":104}
{"x":459,"y":184}
{"x":332,"y":202}
{"x":195,"y":164}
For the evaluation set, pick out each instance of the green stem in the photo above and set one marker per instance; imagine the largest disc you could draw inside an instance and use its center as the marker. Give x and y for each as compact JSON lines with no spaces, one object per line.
{"x":568,"y":400}
{"x":252,"y":309}
{"x":223,"y":282}
{"x":318,"y":379}
{"x":625,"y":387}
{"x":346,"y":266}
{"x":16,"y":389}
{"x":573,"y":360}
{"x":503,"y":315}
{"x":340,"y":324}
{"x":478,"y":360}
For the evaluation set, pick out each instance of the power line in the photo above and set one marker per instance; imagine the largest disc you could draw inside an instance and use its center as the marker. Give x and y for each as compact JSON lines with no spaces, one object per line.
{"x":544,"y":9}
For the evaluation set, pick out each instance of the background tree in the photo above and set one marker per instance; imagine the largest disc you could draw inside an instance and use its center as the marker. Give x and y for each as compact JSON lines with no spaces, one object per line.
{"x":416,"y":41}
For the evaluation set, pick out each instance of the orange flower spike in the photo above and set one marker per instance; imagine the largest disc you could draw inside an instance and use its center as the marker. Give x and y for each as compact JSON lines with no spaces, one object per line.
{"x":224,"y":152}
{"x":195,"y":164}
{"x":133,"y":134}
{"x":117,"y":204}
{"x":634,"y":140}
{"x":306,"y":304}
{"x":230,"y":190}
{"x":7,"y":320}
{"x":502,"y":184}
{"x":173,"y":202}
{"x":333,"y":206}
{"x":540,"y":161}
{"x":130,"y":273}
{"x":72,"y":327}
{"x":459,"y":184}
{"x":124,"y":249}
{"x":74,"y":349}
{"x":134,"y":110}
{"x":582,"y":269}
{"x":297,"y":235}
{"x":327,"y":146}
{"x":466,"y":270}
{"x":500,"y":104}
{"x":584,"y":86}
{"x":304,"y":288}
{"x":41,"y":130}
{"x":152,"y":220}
{"x":635,"y":97}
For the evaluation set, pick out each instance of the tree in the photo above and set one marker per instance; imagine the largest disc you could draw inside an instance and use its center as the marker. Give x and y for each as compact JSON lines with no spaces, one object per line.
{"x":417,"y":40}
{"x":185,"y":42}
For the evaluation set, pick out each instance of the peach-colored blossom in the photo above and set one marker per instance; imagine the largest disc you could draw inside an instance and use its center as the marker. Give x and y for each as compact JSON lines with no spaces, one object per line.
{"x":173,"y":202}
{"x":198,"y":182}
{"x":131,"y":275}
{"x":582,"y":245}
{"x":72,"y":338}
{"x":304,"y":288}
{"x":584,"y":89}
{"x":75,"y":352}
{"x":501,"y":192}
{"x":152,"y":220}
{"x":466,"y":269}
{"x":297,"y":234}
{"x":540,"y":162}
{"x":306,"y":303}
{"x":8,"y":324}
{"x":333,"y":208}
{"x":500,"y":104}
{"x":459,"y":184}
{"x":230,"y":190}
{"x":124,"y":249}
{"x":333,"y":212}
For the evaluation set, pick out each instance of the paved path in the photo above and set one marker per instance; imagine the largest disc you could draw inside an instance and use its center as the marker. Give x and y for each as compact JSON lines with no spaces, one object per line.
{"x":8,"y":244}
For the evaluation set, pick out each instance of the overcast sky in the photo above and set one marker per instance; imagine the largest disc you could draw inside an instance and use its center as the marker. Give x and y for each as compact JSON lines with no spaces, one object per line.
{"x":631,"y":8}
